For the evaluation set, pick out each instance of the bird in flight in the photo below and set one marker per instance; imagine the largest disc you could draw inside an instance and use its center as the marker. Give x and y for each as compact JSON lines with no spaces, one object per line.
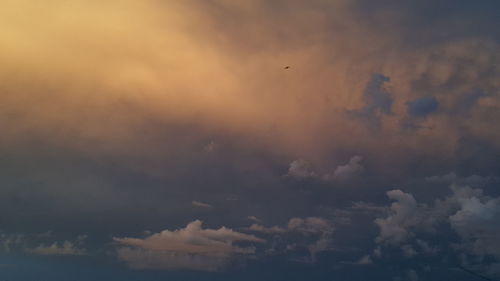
{"x":287,"y":67}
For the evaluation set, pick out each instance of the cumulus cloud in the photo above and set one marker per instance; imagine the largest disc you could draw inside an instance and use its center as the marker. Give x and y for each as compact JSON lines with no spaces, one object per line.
{"x":472,"y":215}
{"x":349,"y":170}
{"x":301,"y":169}
{"x":404,"y":214}
{"x":189,"y":248}
{"x":477,"y":223}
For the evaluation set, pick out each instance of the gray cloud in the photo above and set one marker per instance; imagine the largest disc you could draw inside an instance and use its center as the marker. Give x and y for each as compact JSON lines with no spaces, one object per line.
{"x":404,"y":214}
{"x":318,"y":228}
{"x":347,"y":171}
{"x":301,"y":169}
{"x":469,"y":213}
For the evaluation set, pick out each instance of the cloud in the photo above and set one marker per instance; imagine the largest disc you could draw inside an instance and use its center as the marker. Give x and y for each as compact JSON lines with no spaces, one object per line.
{"x":301,"y":169}
{"x":404,"y":214}
{"x":254,"y":219}
{"x":347,"y":171}
{"x":477,"y":223}
{"x":100,"y":100}
{"x":65,"y":248}
{"x":273,"y":229}
{"x":320,"y":229}
{"x":453,"y":178}
{"x":36,"y":244}
{"x":201,"y":204}
{"x":408,"y":251}
{"x":309,"y":225}
{"x":227,"y":78}
{"x":426,"y":248}
{"x":470,"y":214}
{"x":189,"y":248}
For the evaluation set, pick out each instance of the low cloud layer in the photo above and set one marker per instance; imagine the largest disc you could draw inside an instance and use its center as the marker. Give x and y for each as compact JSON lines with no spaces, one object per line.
{"x":192,"y":248}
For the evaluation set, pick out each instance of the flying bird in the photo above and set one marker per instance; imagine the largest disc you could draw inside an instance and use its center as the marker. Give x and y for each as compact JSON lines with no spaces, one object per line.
{"x":287,"y":67}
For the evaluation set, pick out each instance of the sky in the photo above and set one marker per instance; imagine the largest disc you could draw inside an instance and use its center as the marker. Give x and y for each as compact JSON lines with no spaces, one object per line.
{"x":249,"y":140}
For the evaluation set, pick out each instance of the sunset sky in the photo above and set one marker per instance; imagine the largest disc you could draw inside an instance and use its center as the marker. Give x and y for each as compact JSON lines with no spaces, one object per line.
{"x":146,"y":140}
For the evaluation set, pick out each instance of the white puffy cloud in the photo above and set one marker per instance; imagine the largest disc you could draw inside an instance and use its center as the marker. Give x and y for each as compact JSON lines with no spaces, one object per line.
{"x":189,"y":248}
